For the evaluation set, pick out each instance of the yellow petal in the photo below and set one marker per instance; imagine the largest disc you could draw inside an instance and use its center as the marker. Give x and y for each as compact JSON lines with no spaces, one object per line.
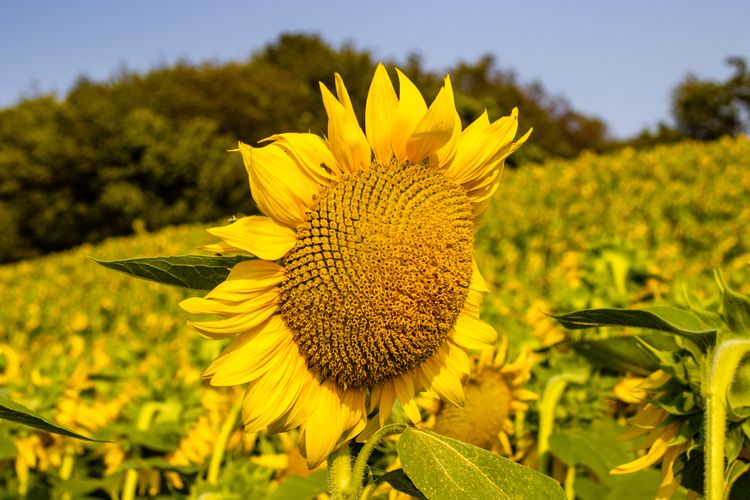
{"x":347,"y":141}
{"x":262,"y":308}
{"x":411,"y":108}
{"x":380,"y":113}
{"x":435,"y":128}
{"x":269,"y":397}
{"x":655,"y":452}
{"x":247,"y":278}
{"x":444,"y":156}
{"x":329,"y":419}
{"x":280,"y":189}
{"x":343,"y":95}
{"x":404,"y":386}
{"x":473,"y":333}
{"x":435,"y":375}
{"x":478,"y":148}
{"x":250,"y":355}
{"x":259,"y":236}
{"x":385,"y":404}
{"x":254,"y":302}
{"x":311,"y":154}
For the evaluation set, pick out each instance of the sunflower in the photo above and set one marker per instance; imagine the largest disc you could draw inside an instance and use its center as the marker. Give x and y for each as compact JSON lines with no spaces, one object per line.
{"x":663,"y":437}
{"x":495,"y":394}
{"x":364,"y":290}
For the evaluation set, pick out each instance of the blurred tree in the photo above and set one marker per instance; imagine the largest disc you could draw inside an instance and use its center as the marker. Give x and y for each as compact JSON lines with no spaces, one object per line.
{"x":707,"y":110}
{"x":151,"y":148}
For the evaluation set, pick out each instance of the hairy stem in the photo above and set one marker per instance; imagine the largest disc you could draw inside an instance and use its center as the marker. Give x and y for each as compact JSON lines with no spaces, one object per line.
{"x":340,"y":473}
{"x":717,"y":382}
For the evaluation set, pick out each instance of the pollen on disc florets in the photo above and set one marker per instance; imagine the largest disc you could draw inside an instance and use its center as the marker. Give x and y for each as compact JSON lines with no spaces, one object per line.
{"x":379,"y":274}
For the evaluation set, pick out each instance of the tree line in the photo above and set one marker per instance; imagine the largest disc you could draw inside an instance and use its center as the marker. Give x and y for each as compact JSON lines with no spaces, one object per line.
{"x":150,"y":149}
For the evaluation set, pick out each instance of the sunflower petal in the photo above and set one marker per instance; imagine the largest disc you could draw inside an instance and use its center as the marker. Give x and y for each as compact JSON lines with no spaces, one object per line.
{"x":347,"y":141}
{"x":404,"y":386}
{"x":259,"y":236}
{"x":266,"y":305}
{"x":380,"y":113}
{"x":311,"y":154}
{"x":473,"y":333}
{"x":435,"y":128}
{"x":247,"y":278}
{"x":249,"y":356}
{"x":280,"y":189}
{"x":411,"y":108}
{"x":329,"y":419}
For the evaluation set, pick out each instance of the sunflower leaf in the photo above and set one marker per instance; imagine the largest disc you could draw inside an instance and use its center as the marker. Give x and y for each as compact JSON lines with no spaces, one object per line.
{"x":16,"y":412}
{"x":401,"y":482}
{"x":446,"y":468}
{"x":199,"y":272}
{"x":294,"y":487}
{"x":666,"y":319}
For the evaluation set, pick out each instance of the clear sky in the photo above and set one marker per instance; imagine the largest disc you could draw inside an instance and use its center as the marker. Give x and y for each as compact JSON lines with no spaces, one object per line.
{"x":616,"y":60}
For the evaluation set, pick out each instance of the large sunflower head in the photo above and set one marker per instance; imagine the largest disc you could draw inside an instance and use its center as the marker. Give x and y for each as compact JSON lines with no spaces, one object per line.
{"x":364,"y":290}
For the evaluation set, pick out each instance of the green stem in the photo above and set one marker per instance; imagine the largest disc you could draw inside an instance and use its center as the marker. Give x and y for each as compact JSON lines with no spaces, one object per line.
{"x":144,"y":420}
{"x":340,"y":473}
{"x":717,"y":382}
{"x":217,"y":456}
{"x":360,"y":465}
{"x":351,"y":487}
{"x":553,"y":391}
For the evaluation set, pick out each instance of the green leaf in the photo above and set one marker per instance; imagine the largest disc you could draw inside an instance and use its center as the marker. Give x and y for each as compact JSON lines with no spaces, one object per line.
{"x":15,"y":412}
{"x":189,"y":271}
{"x":666,"y":319}
{"x":624,"y":352}
{"x":301,"y":488}
{"x":401,"y":482}
{"x":736,"y":311}
{"x":738,"y":481}
{"x":446,"y":468}
{"x":595,"y":447}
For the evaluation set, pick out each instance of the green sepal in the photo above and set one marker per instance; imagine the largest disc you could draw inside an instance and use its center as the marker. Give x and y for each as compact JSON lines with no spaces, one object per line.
{"x":16,"y":412}
{"x":198,"y":272}
{"x":735,"y":310}
{"x":738,"y":480}
{"x":666,"y":319}
{"x":444,"y":468}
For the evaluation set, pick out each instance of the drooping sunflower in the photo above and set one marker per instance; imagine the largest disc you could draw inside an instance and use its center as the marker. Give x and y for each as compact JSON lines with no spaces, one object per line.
{"x":364,"y":290}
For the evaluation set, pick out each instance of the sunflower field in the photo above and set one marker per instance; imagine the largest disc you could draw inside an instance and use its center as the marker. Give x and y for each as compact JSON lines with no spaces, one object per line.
{"x":111,"y":357}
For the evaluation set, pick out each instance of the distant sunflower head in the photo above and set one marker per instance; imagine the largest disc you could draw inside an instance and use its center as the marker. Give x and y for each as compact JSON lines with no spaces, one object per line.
{"x":364,"y":290}
{"x":493,"y":396}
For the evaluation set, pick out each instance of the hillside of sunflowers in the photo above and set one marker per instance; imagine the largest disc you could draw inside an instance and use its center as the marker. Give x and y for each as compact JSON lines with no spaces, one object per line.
{"x":111,"y":357}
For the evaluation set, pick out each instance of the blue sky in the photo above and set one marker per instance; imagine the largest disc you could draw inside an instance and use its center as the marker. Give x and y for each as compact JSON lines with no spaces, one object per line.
{"x":616,"y":60}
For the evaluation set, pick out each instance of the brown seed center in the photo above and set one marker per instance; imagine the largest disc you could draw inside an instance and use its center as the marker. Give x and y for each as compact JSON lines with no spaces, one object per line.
{"x":379,"y":274}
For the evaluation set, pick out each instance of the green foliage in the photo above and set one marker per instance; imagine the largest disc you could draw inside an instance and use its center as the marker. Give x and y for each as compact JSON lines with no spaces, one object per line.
{"x":150,"y":150}
{"x":707,"y":110}
{"x":189,"y":271}
{"x":444,"y":468}
{"x":15,"y":412}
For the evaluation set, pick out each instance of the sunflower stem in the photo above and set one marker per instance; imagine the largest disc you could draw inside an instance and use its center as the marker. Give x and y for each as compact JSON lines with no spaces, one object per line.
{"x":340,"y":473}
{"x":217,"y":455}
{"x":145,"y":415}
{"x":718,"y":379}
{"x":553,"y":391}
{"x":360,"y":464}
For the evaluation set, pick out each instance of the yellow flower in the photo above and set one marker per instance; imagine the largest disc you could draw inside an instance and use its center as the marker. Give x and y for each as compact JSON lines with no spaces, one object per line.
{"x":364,"y":286}
{"x":662,"y":438}
{"x":495,"y":393}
